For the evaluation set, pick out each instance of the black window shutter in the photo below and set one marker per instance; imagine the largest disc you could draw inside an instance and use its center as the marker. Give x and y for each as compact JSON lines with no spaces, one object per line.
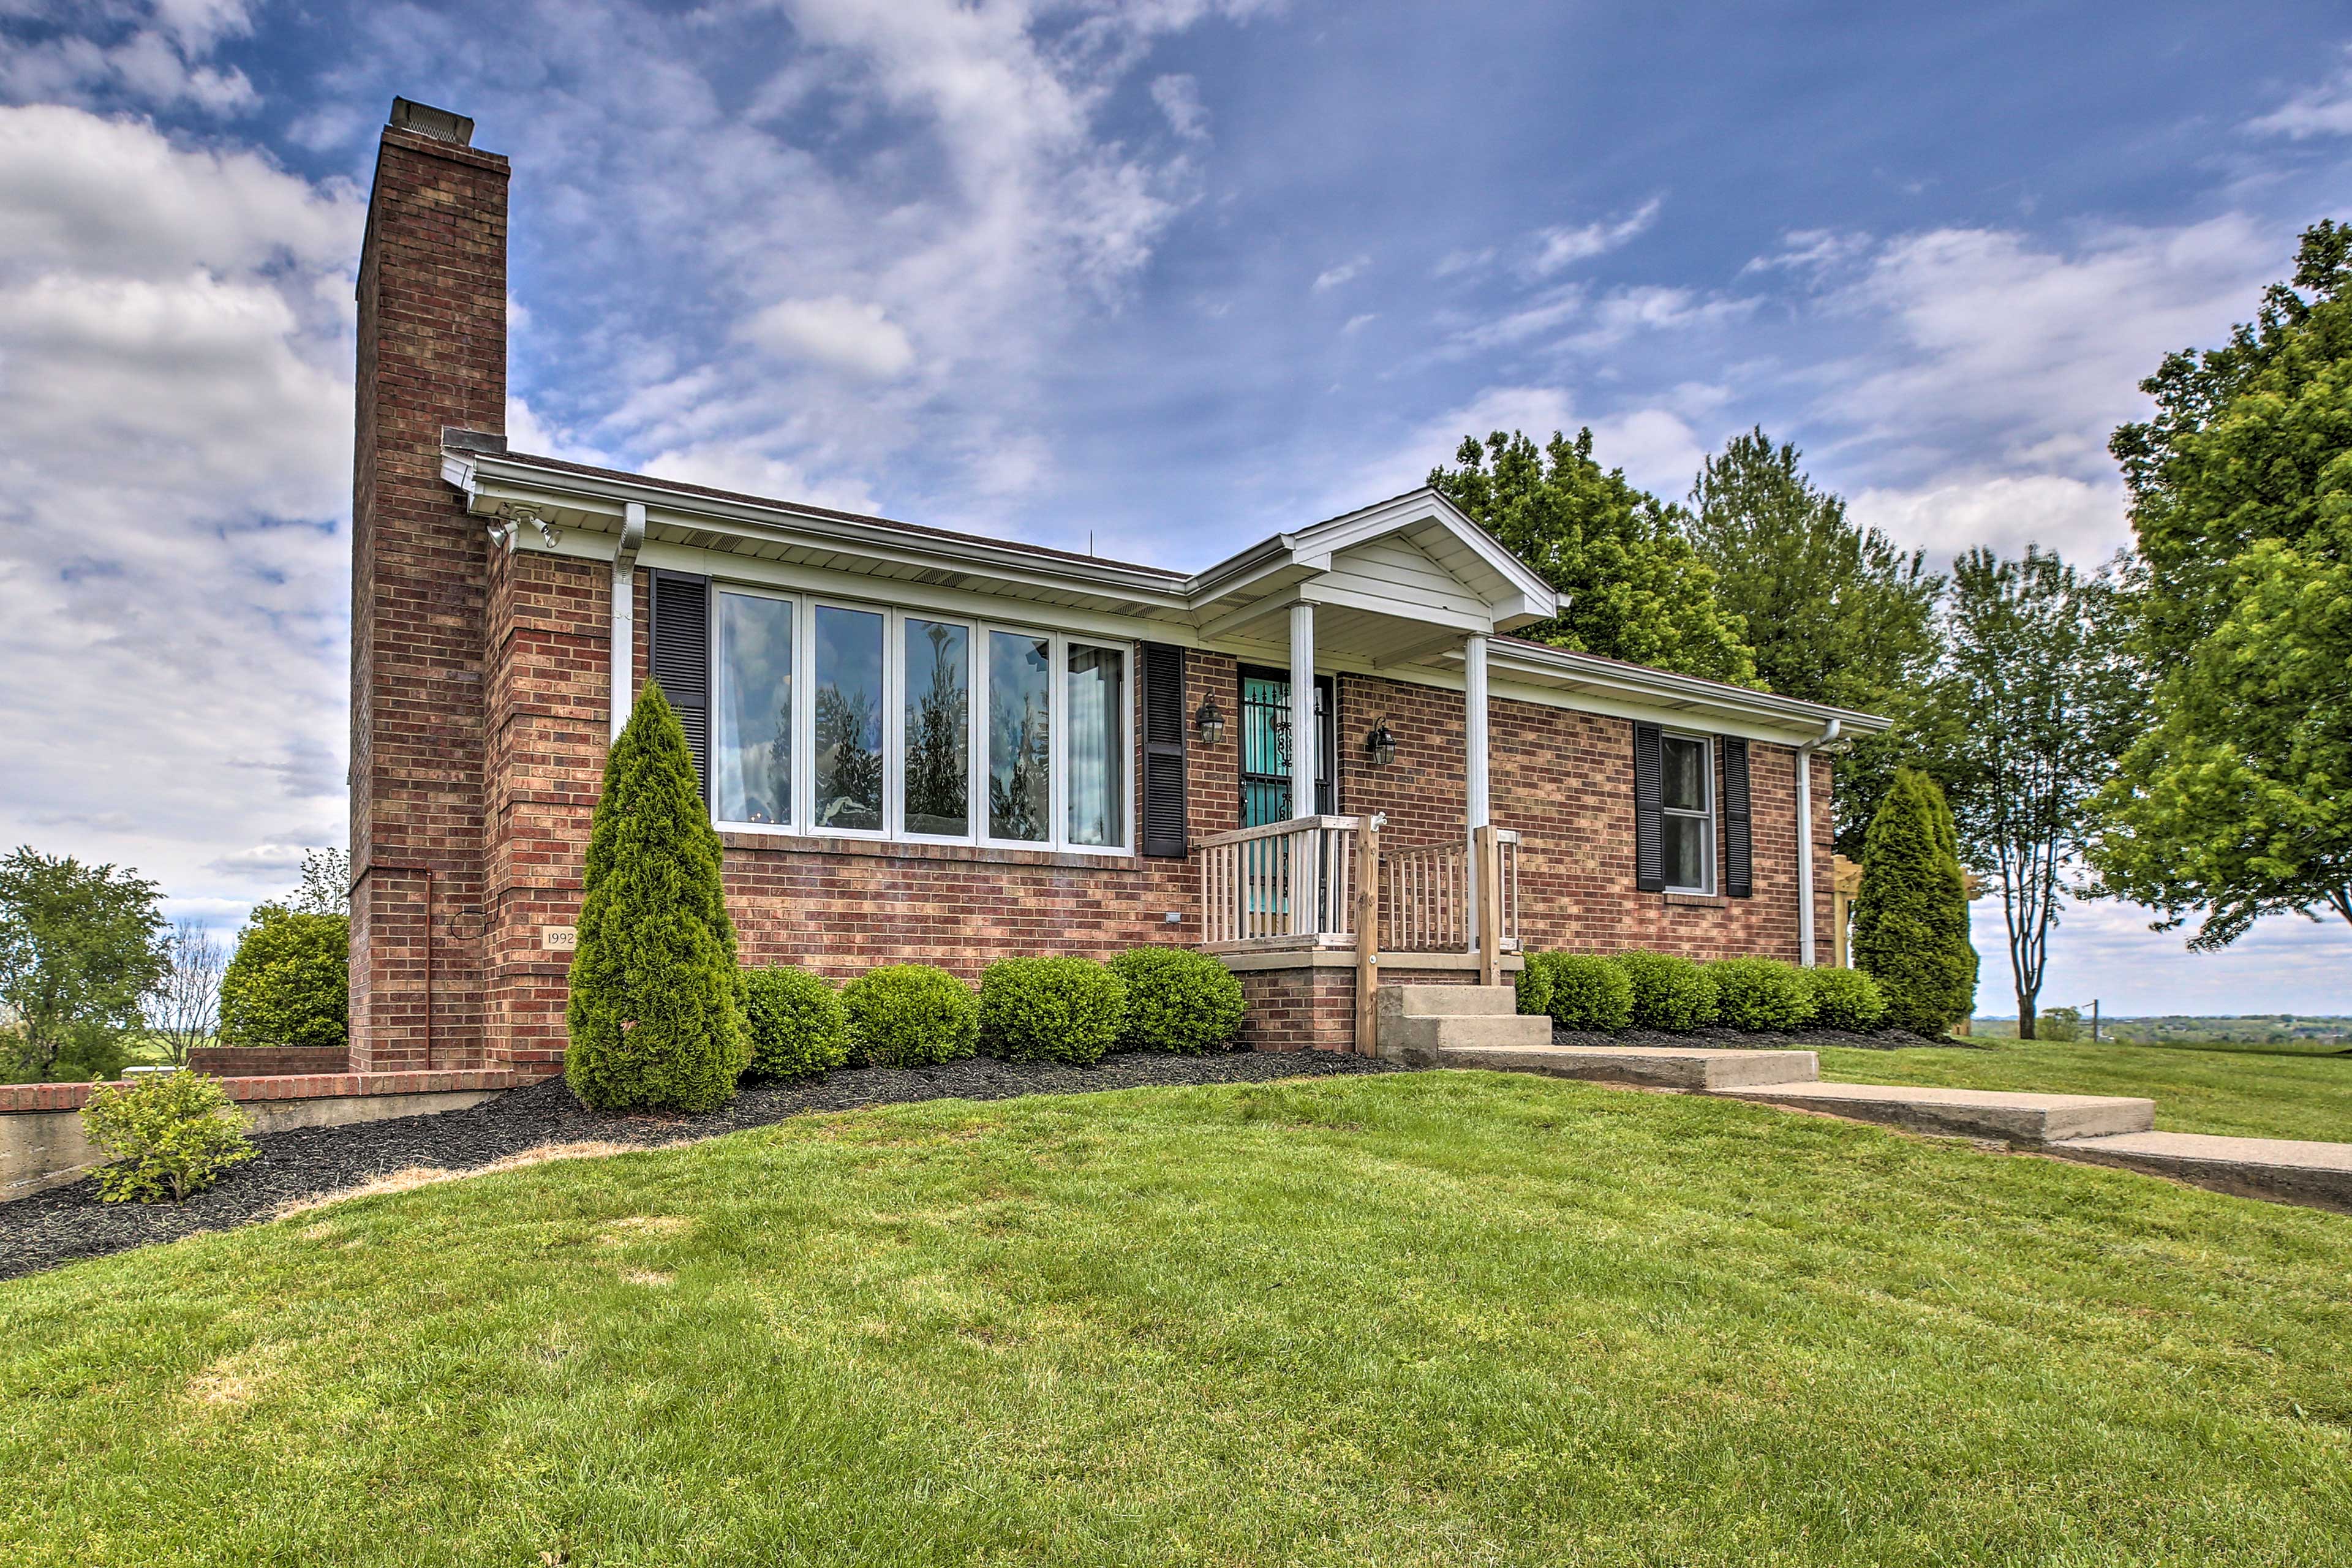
{"x":1163,"y":750}
{"x":1739,"y":835}
{"x":1649,"y":811}
{"x":681,"y":658}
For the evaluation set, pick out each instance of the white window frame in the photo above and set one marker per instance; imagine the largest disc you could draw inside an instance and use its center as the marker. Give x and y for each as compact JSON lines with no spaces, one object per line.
{"x":978,"y":633}
{"x":1704,"y":815}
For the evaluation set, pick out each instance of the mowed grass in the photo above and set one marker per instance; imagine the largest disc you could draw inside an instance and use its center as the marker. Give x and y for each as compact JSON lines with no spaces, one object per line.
{"x":2240,"y":1093}
{"x":1442,"y":1318}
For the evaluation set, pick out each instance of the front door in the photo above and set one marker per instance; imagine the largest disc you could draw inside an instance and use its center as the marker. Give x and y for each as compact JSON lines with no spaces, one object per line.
{"x":1265,"y":746}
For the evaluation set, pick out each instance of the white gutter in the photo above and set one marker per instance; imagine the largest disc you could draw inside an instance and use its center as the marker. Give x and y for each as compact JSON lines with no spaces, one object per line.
{"x":624,"y":605}
{"x":1805,"y":839}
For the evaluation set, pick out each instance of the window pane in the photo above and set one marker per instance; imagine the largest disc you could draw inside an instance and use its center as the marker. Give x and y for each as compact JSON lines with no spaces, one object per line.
{"x":1019,"y":687}
{"x":1097,"y":761}
{"x":1685,"y":775}
{"x":848,"y":719}
{"x":939,"y":727}
{"x":755,"y":708}
{"x":1686,"y":852}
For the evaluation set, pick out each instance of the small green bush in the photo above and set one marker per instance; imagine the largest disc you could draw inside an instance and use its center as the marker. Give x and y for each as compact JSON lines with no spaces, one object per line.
{"x":1178,"y":1000}
{"x":1670,"y":992}
{"x":290,"y":981}
{"x":1845,"y":999}
{"x":1760,"y":994}
{"x":796,"y":1022}
{"x":1051,"y":1010}
{"x":1588,"y":992}
{"x":170,"y":1135}
{"x":1532,"y":985}
{"x":909,"y":1014}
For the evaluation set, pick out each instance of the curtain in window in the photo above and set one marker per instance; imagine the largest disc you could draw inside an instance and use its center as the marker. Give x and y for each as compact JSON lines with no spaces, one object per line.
{"x":1098,"y":769}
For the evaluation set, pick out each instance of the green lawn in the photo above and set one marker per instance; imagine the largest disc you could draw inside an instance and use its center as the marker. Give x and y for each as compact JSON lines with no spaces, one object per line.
{"x":1434,"y":1319}
{"x":2196,"y":1090}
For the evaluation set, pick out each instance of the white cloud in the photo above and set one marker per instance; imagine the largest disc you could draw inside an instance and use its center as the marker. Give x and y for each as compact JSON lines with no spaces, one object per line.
{"x":1565,"y":246}
{"x":1655,"y":447}
{"x":1811,"y":250}
{"x":1358,"y":323}
{"x":2322,"y":110}
{"x":174,"y":378}
{"x":1345,"y":272}
{"x":1600,"y":322}
{"x":152,"y":54}
{"x":1454,"y":262}
{"x":2105,"y":951}
{"x":1179,"y":97}
{"x":2081,"y":519}
{"x":835,"y":331}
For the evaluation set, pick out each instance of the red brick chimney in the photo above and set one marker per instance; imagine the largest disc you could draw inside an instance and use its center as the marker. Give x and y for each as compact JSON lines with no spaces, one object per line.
{"x":431,"y":354}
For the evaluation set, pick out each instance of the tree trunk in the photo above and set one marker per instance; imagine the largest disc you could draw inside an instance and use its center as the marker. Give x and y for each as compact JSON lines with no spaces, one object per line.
{"x":2025,"y":1012}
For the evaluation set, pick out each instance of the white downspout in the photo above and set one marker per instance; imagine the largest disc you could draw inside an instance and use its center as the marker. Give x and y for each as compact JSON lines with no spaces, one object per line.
{"x":1805,"y":840}
{"x":625,"y":604}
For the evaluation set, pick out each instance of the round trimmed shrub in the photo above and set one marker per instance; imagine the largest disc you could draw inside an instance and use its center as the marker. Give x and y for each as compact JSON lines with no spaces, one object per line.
{"x":1051,"y":1010}
{"x":1670,"y":992}
{"x":1845,"y":999}
{"x":1178,"y":1000}
{"x":1760,"y":994}
{"x":1532,"y":985}
{"x":289,"y":982}
{"x":909,"y":1014}
{"x":1588,"y":992}
{"x":796,"y":1022}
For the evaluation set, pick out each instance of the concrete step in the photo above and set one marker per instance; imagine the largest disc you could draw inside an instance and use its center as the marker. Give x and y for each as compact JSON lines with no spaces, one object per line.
{"x":1418,"y":1041}
{"x":2032,"y":1119}
{"x":1448,"y":1001}
{"x":1694,"y":1068}
{"x":2290,"y":1169}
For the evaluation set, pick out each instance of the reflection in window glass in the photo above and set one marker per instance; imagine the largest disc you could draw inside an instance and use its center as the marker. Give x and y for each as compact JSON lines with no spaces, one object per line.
{"x":1687,"y":853}
{"x":754,"y":752}
{"x":1685,"y":775}
{"x":848,"y":755}
{"x":939,"y":726}
{"x":1097,"y":761}
{"x":1020,"y":691}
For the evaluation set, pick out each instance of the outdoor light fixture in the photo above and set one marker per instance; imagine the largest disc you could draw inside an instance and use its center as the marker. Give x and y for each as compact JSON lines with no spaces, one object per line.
{"x":1210,"y":722}
{"x":1381,"y":744}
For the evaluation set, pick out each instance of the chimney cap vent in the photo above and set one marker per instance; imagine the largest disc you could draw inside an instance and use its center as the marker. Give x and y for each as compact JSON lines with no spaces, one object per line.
{"x":427,"y":120}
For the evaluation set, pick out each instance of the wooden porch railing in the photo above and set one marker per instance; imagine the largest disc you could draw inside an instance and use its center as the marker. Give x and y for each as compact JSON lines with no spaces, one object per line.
{"x":1295,"y":884}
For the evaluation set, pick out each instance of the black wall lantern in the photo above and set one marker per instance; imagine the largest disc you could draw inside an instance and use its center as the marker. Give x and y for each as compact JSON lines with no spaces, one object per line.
{"x":1210,"y":722}
{"x":1381,"y":744}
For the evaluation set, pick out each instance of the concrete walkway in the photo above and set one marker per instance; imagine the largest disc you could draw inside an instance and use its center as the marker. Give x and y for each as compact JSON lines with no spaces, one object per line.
{"x":2104,"y":1129}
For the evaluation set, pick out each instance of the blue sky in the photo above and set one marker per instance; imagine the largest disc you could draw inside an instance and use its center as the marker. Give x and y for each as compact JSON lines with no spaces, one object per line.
{"x":1170,"y":275}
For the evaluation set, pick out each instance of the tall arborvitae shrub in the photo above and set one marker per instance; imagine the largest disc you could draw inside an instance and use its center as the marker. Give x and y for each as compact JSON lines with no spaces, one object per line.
{"x":656,"y":1010}
{"x":1911,"y":918}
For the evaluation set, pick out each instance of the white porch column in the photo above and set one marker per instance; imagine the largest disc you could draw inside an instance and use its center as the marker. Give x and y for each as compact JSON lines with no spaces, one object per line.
{"x":1473,"y":714}
{"x":1302,"y":709}
{"x":624,"y":598}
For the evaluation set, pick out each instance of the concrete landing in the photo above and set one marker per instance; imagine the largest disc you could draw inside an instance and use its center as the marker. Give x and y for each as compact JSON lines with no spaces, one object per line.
{"x":2319,"y":1174}
{"x":1694,"y":1068}
{"x":2035,"y":1119}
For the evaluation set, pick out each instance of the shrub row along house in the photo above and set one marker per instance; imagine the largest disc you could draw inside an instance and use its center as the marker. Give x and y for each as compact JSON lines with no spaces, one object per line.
{"x":920,"y":745}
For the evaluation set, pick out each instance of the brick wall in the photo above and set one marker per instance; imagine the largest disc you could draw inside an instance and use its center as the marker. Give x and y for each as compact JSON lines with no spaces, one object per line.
{"x":250,"y":1061}
{"x":432,"y":352}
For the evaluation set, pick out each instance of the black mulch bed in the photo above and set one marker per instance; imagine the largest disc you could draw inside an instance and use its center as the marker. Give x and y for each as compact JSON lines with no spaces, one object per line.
{"x":70,"y":1222}
{"x":1720,"y":1038}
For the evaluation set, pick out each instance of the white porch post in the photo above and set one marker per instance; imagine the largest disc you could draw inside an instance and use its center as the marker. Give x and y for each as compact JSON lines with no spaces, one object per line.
{"x":1302,"y":709}
{"x":1475,"y":804}
{"x":624,"y":594}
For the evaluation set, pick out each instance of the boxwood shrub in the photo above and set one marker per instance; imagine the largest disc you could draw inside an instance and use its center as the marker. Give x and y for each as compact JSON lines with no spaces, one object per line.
{"x":1532,"y":985}
{"x":1178,"y":1000}
{"x":1670,"y":992}
{"x":1761,"y":994}
{"x":170,"y":1136}
{"x":796,"y":1021}
{"x":909,"y":1014}
{"x":1051,"y":1010}
{"x":1588,"y":992}
{"x":1845,"y":999}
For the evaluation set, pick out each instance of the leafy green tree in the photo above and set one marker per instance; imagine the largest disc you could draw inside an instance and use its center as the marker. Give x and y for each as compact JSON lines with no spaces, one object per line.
{"x":656,"y":1010}
{"x":1836,"y":612}
{"x":2030,"y":709}
{"x":2236,"y":801}
{"x":1636,"y":589}
{"x":326,"y":887}
{"x":80,"y":948}
{"x":290,"y":981}
{"x":1911,"y":918}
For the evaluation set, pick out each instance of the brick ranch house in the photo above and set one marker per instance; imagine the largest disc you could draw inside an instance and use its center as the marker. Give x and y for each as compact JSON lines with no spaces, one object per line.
{"x":921,"y":745}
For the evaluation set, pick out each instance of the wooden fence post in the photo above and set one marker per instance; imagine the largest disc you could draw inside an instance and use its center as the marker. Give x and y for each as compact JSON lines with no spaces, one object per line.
{"x":1368,"y":935}
{"x":1489,"y":855}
